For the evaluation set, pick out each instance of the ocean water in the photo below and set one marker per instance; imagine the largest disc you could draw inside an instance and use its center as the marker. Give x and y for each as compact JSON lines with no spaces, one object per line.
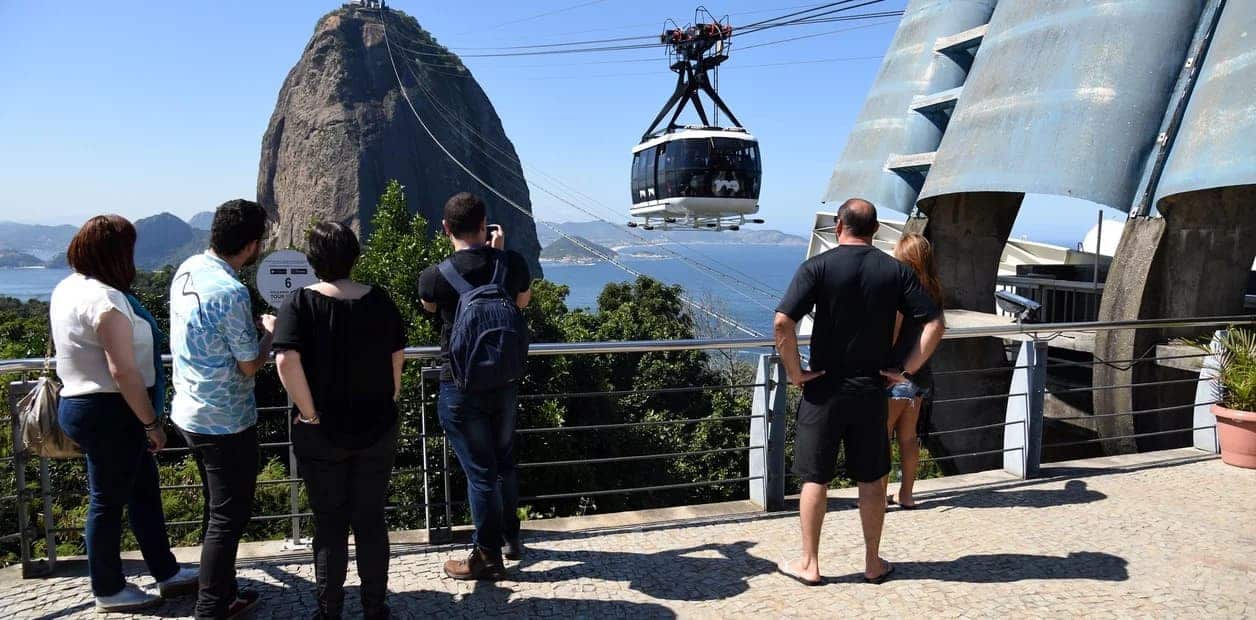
{"x":33,"y":283}
{"x":766,"y":266}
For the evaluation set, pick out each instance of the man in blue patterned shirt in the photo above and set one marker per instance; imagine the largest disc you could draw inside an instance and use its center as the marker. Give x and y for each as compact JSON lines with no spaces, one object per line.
{"x":216,"y":348}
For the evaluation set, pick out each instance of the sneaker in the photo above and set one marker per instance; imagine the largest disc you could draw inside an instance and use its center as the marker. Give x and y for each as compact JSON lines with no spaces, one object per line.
{"x":513,"y":549}
{"x":131,"y":598}
{"x":182,"y":582}
{"x":245,"y":601}
{"x":478,"y":565}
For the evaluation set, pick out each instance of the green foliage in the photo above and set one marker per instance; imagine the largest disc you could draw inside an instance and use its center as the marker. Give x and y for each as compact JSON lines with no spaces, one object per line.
{"x":398,"y":249}
{"x":1235,"y":368}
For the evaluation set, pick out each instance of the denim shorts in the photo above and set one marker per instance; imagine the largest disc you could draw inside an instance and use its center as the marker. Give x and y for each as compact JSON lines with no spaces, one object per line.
{"x":906,"y":391}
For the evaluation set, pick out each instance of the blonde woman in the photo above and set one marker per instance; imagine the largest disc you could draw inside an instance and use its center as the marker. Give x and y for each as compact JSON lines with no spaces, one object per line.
{"x":906,"y":398}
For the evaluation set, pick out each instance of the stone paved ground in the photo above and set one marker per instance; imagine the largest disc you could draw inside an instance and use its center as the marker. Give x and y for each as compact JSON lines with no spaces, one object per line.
{"x":1177,"y":538}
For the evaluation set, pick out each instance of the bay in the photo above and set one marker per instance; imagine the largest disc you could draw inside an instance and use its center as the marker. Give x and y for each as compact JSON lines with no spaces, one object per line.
{"x":31,"y":283}
{"x":751,"y":278}
{"x":731,"y":292}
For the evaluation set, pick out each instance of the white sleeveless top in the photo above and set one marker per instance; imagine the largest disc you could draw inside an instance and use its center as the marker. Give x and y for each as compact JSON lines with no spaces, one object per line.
{"x":75,"y":310}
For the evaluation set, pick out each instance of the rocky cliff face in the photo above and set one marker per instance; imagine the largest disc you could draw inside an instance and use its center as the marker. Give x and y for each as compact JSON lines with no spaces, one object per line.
{"x":341,"y":130}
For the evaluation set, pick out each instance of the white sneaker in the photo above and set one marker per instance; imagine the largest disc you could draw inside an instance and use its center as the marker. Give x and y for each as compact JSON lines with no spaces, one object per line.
{"x":130,"y":598}
{"x":182,"y":582}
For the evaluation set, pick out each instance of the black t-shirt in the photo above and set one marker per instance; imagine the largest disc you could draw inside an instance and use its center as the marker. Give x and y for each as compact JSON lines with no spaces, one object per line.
{"x":856,"y":291}
{"x":476,"y":267}
{"x":346,"y":348}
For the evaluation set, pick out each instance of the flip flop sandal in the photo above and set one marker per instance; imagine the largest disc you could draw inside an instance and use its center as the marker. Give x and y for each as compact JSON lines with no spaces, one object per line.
{"x":783,"y":568}
{"x":880,"y":579}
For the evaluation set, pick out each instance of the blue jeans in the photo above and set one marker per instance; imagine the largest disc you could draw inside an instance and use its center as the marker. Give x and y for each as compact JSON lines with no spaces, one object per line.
{"x":120,"y":473}
{"x":481,"y":428}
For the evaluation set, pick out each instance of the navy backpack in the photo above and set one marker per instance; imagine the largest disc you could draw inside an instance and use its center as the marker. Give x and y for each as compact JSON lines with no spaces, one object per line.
{"x":488,"y":341}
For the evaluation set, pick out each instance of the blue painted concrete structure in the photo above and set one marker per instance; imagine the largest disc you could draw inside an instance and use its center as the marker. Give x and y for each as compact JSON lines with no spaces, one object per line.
{"x":1216,"y":144}
{"x":887,"y":126}
{"x":1065,"y":97}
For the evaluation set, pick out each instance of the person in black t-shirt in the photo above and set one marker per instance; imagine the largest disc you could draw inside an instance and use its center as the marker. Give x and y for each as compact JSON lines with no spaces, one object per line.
{"x":480,"y":425}
{"x":341,"y":346}
{"x":856,"y":291}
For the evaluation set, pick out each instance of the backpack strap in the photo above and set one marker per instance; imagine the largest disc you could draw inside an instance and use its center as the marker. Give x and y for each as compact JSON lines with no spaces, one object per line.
{"x":499,"y":269}
{"x":460,"y":284}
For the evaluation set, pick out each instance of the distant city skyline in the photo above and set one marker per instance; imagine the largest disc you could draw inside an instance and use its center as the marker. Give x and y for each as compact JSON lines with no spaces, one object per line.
{"x":143,"y":108}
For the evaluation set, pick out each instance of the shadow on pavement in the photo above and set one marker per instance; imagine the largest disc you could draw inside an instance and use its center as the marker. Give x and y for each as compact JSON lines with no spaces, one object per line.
{"x":495,"y":599}
{"x":1007,"y":568}
{"x":1074,"y":492}
{"x":700,"y":573}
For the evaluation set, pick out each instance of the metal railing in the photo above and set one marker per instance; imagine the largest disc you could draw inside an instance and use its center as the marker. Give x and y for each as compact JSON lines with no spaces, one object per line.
{"x":1062,"y":300}
{"x":761,"y":432}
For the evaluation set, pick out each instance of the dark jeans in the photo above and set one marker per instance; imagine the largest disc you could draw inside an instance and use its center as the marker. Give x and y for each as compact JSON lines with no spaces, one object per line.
{"x":228,"y":465}
{"x":347,"y":488}
{"x":120,"y":472}
{"x":481,"y":429}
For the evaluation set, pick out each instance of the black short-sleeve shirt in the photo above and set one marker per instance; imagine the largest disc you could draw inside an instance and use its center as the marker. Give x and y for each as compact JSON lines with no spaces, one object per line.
{"x":856,"y":291}
{"x":476,"y":266}
{"x":346,"y":348}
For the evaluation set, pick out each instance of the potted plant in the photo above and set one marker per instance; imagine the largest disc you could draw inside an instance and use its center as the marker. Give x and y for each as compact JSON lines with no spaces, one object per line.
{"x":1234,"y":368}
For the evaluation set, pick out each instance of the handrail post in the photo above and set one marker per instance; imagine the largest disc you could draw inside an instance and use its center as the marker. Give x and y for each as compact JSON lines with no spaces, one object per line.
{"x":1022,"y":430}
{"x":1203,"y":437}
{"x":767,"y":435}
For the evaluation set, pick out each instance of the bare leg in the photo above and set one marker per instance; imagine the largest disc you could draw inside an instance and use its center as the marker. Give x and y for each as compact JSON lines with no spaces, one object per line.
{"x":897,"y":408}
{"x":872,"y":518}
{"x":909,"y":451}
{"x":812,"y":505}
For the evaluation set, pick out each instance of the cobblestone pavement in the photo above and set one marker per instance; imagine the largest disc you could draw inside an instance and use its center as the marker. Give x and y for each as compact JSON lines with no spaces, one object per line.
{"x":1171,"y":539}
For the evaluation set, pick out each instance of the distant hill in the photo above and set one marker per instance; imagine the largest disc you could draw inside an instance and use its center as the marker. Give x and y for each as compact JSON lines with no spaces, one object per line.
{"x":619,"y":235}
{"x":566,"y":251}
{"x":40,"y":241}
{"x":202,"y":220}
{"x":11,"y":259}
{"x":164,"y":239}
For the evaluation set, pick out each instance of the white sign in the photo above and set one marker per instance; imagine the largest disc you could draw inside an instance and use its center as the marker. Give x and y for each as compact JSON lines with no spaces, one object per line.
{"x":282,"y":272}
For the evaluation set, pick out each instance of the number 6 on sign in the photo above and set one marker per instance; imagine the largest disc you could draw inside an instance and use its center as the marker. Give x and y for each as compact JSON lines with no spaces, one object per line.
{"x":281,"y":272}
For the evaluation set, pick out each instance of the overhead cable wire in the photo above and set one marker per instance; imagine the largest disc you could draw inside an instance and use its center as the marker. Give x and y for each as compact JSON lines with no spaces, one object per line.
{"x":406,"y":95}
{"x":450,"y":116}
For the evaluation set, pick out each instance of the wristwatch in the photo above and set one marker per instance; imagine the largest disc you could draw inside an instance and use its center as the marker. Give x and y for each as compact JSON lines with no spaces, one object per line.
{"x":907,"y":375}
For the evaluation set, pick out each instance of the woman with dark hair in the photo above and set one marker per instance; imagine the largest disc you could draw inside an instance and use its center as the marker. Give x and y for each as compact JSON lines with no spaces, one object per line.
{"x":112,"y":396}
{"x":340,"y":352}
{"x":907,"y":398}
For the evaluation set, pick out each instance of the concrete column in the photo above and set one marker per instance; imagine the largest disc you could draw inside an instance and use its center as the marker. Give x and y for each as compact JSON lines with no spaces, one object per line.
{"x":969,"y":232}
{"x":1195,"y":261}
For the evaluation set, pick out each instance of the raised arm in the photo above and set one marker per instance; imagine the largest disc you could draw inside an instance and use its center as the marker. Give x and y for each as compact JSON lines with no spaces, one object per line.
{"x":786,"y":331}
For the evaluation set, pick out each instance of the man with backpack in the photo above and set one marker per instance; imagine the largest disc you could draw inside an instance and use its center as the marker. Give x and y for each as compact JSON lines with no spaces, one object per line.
{"x":479,"y":292}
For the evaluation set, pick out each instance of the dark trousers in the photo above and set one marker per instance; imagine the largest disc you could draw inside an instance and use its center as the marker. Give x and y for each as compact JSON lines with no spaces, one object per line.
{"x":120,"y":473}
{"x":347,"y":489}
{"x":228,"y":466}
{"x":481,"y":429}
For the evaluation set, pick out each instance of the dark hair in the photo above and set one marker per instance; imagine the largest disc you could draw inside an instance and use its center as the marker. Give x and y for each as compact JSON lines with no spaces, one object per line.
{"x":104,"y":249}
{"x":237,"y":223}
{"x":333,"y":250}
{"x":464,"y":213}
{"x":859,"y":217}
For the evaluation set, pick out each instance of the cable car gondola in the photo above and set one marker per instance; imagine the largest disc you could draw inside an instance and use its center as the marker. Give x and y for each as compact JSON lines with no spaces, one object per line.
{"x":703,"y":177}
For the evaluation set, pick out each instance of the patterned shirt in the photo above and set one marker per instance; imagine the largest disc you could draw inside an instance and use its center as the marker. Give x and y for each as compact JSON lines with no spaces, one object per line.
{"x":211,"y":328}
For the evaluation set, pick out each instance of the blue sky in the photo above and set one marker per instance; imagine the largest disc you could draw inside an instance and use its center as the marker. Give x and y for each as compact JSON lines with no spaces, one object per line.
{"x":142,"y":107}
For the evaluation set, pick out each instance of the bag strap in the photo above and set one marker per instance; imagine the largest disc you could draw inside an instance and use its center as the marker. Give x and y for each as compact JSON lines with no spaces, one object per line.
{"x":48,"y":354}
{"x":499,"y":269}
{"x":460,"y":284}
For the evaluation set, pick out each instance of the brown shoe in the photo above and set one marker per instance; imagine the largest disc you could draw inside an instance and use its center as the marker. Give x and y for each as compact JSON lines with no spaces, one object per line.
{"x":478,"y":565}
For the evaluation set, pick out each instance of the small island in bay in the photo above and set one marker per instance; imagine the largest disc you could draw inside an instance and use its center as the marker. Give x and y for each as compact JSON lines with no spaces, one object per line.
{"x":12,"y":259}
{"x":576,"y":251}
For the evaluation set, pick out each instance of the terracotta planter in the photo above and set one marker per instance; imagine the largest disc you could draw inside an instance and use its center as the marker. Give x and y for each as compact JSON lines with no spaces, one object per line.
{"x":1236,"y":430}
